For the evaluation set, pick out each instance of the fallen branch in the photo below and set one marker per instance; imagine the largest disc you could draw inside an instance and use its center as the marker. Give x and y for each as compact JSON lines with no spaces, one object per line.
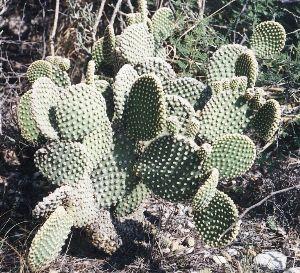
{"x":99,"y":15}
{"x":296,"y":187}
{"x":117,"y":7}
{"x":53,"y":33}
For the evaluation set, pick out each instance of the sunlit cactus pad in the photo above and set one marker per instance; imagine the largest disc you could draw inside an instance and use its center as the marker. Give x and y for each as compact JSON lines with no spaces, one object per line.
{"x":268,"y":38}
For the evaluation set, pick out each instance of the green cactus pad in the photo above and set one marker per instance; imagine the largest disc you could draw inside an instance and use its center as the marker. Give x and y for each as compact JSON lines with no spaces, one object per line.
{"x":159,"y":67}
{"x":232,"y":155}
{"x":268,"y":39}
{"x":215,"y":219}
{"x":121,"y":88}
{"x":97,"y":53}
{"x":222,"y":65}
{"x":112,"y":175}
{"x":43,"y":100}
{"x":192,"y":127}
{"x":90,"y":72}
{"x":135,"y":44}
{"x":160,"y":52}
{"x":38,"y":69}
{"x":162,"y":22}
{"x":80,"y":111}
{"x":109,"y":45}
{"x":188,"y":88}
{"x":145,"y":112}
{"x":266,"y":120}
{"x":105,"y":88}
{"x":142,"y":8}
{"x":49,"y":240}
{"x":63,"y":63}
{"x":173,"y":125}
{"x":60,"y":161}
{"x":133,"y":18}
{"x":238,"y":82}
{"x":246,"y":65}
{"x":225,"y":113}
{"x":207,"y":191}
{"x":99,"y":142}
{"x":181,"y":108}
{"x":27,"y":124}
{"x":132,"y":200}
{"x":60,"y":77}
{"x":170,"y":167}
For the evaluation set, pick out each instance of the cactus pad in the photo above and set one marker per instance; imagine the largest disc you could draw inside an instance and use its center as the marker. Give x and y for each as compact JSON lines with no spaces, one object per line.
{"x":97,"y":53}
{"x":63,"y":63}
{"x":181,"y":108}
{"x":145,"y":112}
{"x":49,"y":240}
{"x":162,"y":24}
{"x":225,"y":113}
{"x":27,"y":124}
{"x":215,"y":219}
{"x":268,"y":38}
{"x":135,"y":44}
{"x":170,"y":167}
{"x":188,"y":88}
{"x":63,"y":161}
{"x":159,"y":67}
{"x":121,"y":88}
{"x":246,"y":65}
{"x":131,"y":201}
{"x":207,"y":191}
{"x":266,"y":120}
{"x":39,"y":69}
{"x":43,"y":100}
{"x":232,"y":155}
{"x":222,"y":65}
{"x":80,"y":112}
{"x":109,"y":45}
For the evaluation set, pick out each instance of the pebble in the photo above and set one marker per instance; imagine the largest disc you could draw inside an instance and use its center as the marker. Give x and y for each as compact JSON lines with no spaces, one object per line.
{"x":293,"y":270}
{"x":272,"y":260}
{"x":218,"y":259}
{"x":232,"y":252}
{"x":189,"y":241}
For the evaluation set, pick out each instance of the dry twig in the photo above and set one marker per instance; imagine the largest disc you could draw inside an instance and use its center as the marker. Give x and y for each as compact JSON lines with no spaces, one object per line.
{"x":99,"y":15}
{"x":117,"y":7}
{"x":54,"y":28}
{"x":296,"y":187}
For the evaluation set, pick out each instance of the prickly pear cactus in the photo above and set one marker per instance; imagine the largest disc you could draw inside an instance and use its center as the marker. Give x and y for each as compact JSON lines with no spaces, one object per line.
{"x":109,"y":142}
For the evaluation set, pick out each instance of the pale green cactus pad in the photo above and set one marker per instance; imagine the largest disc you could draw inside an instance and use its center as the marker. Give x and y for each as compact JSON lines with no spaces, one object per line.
{"x":232,"y":155}
{"x":97,"y":53}
{"x":225,"y":113}
{"x":121,"y":88}
{"x":27,"y":124}
{"x":188,"y":88}
{"x":162,"y":24}
{"x":113,"y":173}
{"x":266,"y":120}
{"x":142,"y":8}
{"x":170,"y":167}
{"x":135,"y":44}
{"x":133,"y":18}
{"x":109,"y":45}
{"x":222,"y":65}
{"x":215,"y":219}
{"x":80,"y":111}
{"x":39,"y":69}
{"x":181,"y":108}
{"x":207,"y":191}
{"x":246,"y":65}
{"x":99,"y":142}
{"x":63,"y":63}
{"x":61,"y":161}
{"x":43,"y":100}
{"x":49,"y":239}
{"x":132,"y":200}
{"x":159,"y":67}
{"x":145,"y":112}
{"x":268,"y":39}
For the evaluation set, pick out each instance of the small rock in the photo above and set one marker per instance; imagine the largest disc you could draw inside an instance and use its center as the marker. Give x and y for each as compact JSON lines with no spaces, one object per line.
{"x":218,"y":259}
{"x":232,"y":252}
{"x":175,"y":246}
{"x":166,"y":250}
{"x":189,"y":241}
{"x":272,"y":260}
{"x":293,"y":270}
